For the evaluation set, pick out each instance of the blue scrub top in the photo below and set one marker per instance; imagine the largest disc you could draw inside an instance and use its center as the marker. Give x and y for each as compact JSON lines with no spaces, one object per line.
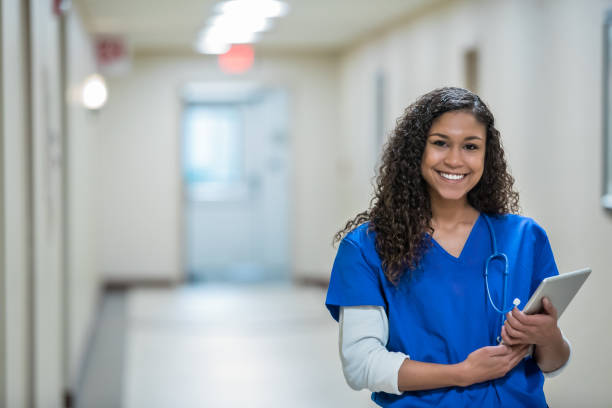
{"x":440,"y":313}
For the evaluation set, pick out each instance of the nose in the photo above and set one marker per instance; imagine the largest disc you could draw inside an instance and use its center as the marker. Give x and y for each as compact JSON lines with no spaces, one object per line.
{"x":453,"y":158}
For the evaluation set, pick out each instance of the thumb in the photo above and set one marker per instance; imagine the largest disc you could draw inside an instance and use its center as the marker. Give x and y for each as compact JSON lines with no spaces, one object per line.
{"x":548,"y":307}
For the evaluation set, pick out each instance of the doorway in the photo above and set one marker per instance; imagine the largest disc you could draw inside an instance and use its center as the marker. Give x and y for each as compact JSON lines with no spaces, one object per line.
{"x":235,"y":172}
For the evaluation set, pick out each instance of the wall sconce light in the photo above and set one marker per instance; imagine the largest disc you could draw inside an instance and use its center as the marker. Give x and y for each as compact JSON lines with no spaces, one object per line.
{"x":94,"y":93}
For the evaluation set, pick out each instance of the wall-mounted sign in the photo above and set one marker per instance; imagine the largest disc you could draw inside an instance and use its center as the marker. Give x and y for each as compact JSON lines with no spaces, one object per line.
{"x":113,"y":55}
{"x":61,"y":6}
{"x":238,"y":59}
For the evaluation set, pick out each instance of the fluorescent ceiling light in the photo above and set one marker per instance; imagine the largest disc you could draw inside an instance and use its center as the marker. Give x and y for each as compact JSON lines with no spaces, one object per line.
{"x":240,"y":22}
{"x":261,"y":8}
{"x":233,"y":35}
{"x":205,"y":46}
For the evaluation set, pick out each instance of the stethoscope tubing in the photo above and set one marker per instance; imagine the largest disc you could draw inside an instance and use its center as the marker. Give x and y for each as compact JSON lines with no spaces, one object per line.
{"x":504,"y":259}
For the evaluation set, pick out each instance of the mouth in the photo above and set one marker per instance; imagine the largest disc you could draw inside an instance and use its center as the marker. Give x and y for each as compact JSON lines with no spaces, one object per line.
{"x":452,"y":176}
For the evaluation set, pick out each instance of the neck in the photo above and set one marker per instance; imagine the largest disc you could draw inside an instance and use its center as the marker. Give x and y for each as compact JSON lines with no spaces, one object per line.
{"x":451,"y":211}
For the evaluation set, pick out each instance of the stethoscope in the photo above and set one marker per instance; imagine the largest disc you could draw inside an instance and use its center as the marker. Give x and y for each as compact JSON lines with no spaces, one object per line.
{"x":504,"y":259}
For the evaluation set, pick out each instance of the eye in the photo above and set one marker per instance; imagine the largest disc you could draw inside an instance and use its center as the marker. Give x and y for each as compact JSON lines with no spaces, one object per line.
{"x":471,"y":146}
{"x":439,"y":143}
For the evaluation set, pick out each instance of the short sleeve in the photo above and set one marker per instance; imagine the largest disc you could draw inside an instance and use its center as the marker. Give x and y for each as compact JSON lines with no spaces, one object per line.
{"x":353,"y":282}
{"x":544,"y":262}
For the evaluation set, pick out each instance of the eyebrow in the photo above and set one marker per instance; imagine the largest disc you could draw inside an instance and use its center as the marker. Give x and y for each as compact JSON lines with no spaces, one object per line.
{"x":442,"y":135}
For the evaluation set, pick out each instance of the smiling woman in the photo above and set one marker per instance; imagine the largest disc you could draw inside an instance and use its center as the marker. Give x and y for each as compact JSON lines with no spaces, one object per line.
{"x":408,"y":288}
{"x":402,"y":205}
{"x":453,"y":160}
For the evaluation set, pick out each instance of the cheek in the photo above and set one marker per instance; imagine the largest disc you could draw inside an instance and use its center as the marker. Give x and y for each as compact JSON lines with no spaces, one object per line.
{"x":477,"y":163}
{"x":427,"y":164}
{"x":429,"y":158}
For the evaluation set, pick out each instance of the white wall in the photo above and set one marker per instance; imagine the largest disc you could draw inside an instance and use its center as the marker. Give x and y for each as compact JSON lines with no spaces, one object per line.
{"x":41,"y":355}
{"x":83,"y":286}
{"x":541,"y":68}
{"x":139,"y":181}
{"x":47,"y":198}
{"x":16,"y":221}
{"x":3,"y":327}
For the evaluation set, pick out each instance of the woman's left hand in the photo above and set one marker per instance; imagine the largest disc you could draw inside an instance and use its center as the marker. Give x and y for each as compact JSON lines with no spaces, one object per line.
{"x":540,"y":329}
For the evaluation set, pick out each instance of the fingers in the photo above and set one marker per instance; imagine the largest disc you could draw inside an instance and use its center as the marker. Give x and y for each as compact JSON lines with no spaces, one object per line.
{"x":511,"y":360}
{"x":506,"y":338}
{"x":499,"y":350}
{"x":515,"y":329}
{"x":521,"y":328}
{"x":549,"y":308}
{"x":512,"y":336}
{"x":517,"y":356}
{"x":521,"y":349}
{"x":518,"y":352}
{"x":519,"y":319}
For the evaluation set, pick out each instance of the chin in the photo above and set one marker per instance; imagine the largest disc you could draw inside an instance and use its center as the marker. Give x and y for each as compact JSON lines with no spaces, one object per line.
{"x":455,"y":198}
{"x":453,"y":195}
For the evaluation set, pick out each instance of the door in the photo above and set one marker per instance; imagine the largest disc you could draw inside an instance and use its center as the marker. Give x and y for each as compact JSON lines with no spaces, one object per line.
{"x":235,"y":175}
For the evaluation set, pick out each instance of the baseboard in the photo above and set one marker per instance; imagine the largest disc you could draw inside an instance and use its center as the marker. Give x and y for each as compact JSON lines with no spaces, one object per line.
{"x":70,"y":394}
{"x":110,"y":320}
{"x":315,"y":281}
{"x":123,"y":285}
{"x":68,"y":399}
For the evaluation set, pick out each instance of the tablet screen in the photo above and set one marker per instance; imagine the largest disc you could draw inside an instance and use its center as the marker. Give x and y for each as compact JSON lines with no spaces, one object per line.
{"x":560,"y":289}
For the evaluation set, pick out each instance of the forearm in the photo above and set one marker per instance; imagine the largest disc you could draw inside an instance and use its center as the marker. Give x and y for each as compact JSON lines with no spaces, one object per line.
{"x":417,"y":375}
{"x":551,"y":356}
{"x":368,"y":364}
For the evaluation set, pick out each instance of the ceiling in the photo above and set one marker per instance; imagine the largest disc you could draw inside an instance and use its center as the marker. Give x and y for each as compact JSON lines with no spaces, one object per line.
{"x":310,"y":25}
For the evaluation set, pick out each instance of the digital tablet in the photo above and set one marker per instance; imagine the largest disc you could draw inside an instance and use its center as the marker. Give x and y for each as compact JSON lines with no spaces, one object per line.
{"x":560,"y":289}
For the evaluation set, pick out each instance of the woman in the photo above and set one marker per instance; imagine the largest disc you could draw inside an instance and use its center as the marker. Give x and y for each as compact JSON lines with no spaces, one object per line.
{"x":417,"y":326}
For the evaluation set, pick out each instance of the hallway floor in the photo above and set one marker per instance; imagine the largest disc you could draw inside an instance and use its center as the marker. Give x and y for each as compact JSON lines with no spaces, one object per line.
{"x":270,"y":345}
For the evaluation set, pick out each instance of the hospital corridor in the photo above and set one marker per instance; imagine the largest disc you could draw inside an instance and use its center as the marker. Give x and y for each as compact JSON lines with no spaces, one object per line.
{"x":216,"y":346}
{"x":177,"y":177}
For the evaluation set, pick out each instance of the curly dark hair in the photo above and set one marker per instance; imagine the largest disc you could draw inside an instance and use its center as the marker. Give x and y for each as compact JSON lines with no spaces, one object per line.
{"x":400,"y":211}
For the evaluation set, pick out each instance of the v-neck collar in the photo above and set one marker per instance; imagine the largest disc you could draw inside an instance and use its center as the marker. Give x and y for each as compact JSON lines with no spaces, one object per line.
{"x":465,"y":244}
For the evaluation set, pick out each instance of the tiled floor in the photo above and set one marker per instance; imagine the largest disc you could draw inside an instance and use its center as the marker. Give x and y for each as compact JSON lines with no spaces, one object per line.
{"x":254,"y":346}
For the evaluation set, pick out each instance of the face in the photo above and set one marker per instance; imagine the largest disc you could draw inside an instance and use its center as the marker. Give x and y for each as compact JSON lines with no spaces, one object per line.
{"x":453,"y":160}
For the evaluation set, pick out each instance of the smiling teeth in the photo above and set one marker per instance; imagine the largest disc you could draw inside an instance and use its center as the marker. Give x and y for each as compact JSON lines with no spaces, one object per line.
{"x":452,"y":176}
